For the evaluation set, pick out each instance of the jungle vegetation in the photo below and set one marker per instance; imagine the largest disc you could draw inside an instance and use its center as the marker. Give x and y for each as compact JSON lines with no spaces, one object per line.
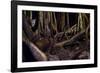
{"x":50,"y":36}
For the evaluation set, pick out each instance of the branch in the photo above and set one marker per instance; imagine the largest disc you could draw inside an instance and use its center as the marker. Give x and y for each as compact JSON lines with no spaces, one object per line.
{"x":39,"y":55}
{"x":72,"y":39}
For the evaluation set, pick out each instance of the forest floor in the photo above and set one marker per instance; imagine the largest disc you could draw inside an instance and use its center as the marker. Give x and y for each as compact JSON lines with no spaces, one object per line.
{"x":74,"y":51}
